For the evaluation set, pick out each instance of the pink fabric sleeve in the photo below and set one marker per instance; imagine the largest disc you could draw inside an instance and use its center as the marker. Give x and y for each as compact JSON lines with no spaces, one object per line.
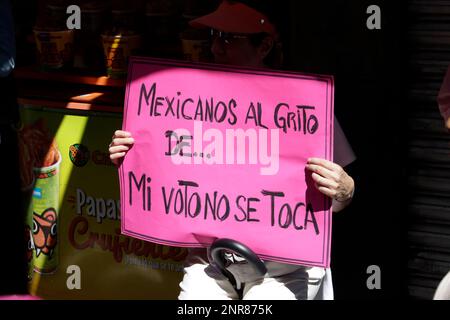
{"x":343,"y":152}
{"x":444,"y":97}
{"x":19,"y":297}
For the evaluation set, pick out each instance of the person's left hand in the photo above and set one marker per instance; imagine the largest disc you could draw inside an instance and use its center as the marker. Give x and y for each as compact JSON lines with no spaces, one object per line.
{"x":331,"y":179}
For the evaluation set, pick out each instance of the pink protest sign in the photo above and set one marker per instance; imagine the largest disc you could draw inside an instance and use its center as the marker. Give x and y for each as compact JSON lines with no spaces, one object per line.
{"x":220,"y":153}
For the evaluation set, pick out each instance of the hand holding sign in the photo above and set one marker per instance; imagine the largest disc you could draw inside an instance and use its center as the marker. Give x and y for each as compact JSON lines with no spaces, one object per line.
{"x":119,"y":146}
{"x":331,"y":179}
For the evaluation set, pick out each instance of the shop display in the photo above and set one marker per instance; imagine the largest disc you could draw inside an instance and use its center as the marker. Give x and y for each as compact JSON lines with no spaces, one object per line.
{"x":113,"y":30}
{"x":72,"y":220}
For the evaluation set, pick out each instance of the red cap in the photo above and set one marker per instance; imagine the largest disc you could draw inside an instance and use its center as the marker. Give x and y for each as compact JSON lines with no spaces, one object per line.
{"x":235,"y":17}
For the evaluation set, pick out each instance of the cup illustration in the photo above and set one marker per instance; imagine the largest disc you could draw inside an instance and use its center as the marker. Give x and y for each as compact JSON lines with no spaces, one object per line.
{"x":42,"y":156}
{"x":44,"y":216}
{"x":118,"y":48}
{"x":54,"y":48}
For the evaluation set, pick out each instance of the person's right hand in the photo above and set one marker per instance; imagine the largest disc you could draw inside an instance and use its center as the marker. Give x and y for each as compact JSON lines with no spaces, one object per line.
{"x":119,"y":146}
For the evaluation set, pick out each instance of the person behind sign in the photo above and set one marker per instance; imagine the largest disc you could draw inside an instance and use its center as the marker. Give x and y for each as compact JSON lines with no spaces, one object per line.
{"x":243,"y":35}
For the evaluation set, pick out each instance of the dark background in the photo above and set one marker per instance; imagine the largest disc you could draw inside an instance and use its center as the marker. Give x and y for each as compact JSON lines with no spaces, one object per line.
{"x":370,"y":68}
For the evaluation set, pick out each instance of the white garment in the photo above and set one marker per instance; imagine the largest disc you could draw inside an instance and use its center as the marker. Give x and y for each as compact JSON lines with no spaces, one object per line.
{"x":443,"y":290}
{"x":203,"y":281}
